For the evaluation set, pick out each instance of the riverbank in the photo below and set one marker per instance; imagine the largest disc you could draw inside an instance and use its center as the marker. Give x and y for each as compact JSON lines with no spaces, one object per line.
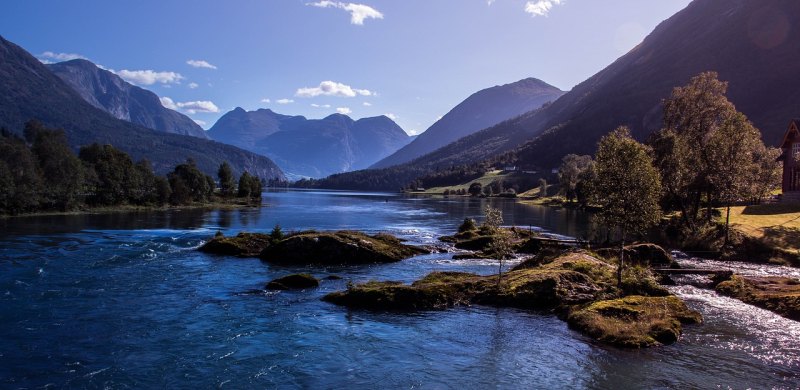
{"x":232,"y":204}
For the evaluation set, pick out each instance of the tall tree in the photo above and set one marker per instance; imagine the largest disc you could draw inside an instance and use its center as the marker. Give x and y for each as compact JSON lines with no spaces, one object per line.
{"x":227,"y":183}
{"x":570,"y":173}
{"x":60,"y":169}
{"x":627,"y":187}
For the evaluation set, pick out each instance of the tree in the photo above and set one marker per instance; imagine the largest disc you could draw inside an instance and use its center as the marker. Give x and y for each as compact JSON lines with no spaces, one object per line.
{"x":245,"y":186}
{"x":196,"y":183}
{"x":692,"y":114}
{"x":111,"y":179}
{"x":501,"y":246}
{"x":23,"y":195}
{"x":627,"y":187}
{"x":542,"y":188}
{"x":58,"y":166}
{"x":571,"y":172}
{"x":475,"y":189}
{"x":227,"y":183}
{"x":736,"y":159}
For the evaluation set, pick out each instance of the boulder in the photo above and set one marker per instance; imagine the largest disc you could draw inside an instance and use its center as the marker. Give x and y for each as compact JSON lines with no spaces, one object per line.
{"x":293,"y":282}
{"x":643,"y":254}
{"x":338,"y":248}
{"x":242,"y":245}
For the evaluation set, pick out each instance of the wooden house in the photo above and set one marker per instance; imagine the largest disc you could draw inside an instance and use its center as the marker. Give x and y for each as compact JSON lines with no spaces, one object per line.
{"x":791,"y":162}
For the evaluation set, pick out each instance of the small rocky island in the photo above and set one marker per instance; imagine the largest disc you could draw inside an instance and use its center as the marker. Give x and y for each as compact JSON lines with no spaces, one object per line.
{"x":314,"y":248}
{"x":579,"y":285}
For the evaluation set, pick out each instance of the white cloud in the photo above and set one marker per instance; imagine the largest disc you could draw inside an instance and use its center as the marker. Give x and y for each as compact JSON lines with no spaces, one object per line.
{"x":392,"y":116}
{"x":168,"y":103}
{"x":315,"y":105}
{"x":149,"y":77}
{"x":193,"y":85}
{"x":200,"y":64}
{"x":358,"y":12}
{"x":332,"y":88}
{"x":284,"y":101}
{"x":344,"y":110}
{"x":49,"y":56}
{"x":541,"y":7}
{"x":265,"y":100}
{"x":367,"y":104}
{"x":413,"y":132}
{"x":199,"y":122}
{"x":190,"y":107}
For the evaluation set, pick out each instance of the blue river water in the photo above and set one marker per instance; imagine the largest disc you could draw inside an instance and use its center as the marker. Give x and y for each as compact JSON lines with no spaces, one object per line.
{"x":124,"y":300}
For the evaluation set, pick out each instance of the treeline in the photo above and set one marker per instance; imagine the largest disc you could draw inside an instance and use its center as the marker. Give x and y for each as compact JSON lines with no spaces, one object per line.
{"x":40,"y":172}
{"x":706,"y":155}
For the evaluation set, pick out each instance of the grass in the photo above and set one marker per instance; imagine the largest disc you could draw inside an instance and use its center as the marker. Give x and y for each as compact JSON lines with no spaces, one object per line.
{"x":776,"y":224}
{"x":485,"y":180}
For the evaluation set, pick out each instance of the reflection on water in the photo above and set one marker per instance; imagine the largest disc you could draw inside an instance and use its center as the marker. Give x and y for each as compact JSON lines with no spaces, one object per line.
{"x":124,"y":300}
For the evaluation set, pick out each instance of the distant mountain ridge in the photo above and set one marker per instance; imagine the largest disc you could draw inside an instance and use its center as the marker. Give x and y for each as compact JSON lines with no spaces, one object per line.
{"x":29,"y":90}
{"x":311,"y":147}
{"x":480,"y":110}
{"x":125,"y":101}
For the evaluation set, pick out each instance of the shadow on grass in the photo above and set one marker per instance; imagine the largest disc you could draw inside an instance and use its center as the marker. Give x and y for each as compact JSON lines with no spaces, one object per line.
{"x":782,"y":237}
{"x":771,"y":209}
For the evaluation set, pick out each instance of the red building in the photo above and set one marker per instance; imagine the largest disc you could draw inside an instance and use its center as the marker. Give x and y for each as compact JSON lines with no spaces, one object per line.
{"x":791,"y":162}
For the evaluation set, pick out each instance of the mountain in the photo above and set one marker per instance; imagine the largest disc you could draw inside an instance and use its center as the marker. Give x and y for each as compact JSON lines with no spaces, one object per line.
{"x":751,"y":44}
{"x":482,"y":109}
{"x":29,"y":90}
{"x":311,"y":147}
{"x":246,"y":128}
{"x":125,"y":101}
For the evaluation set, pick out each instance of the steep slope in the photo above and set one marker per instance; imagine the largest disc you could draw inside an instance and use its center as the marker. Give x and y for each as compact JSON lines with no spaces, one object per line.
{"x":311,"y":147}
{"x":482,"y":109}
{"x":125,"y":101}
{"x":752,"y":45}
{"x":29,"y":90}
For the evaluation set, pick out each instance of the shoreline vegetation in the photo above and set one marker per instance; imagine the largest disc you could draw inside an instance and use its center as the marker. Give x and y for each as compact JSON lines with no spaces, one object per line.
{"x":41,"y":175}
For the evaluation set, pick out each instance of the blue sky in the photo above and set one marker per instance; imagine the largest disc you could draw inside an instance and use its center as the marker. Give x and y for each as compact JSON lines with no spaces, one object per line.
{"x":410,"y":59}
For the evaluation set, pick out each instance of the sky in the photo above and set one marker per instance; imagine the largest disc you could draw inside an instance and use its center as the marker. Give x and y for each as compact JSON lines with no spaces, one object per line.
{"x":412,"y":60}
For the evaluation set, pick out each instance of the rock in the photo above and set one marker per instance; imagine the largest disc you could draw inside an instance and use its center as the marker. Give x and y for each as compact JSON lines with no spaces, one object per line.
{"x":777,"y":294}
{"x":333,"y":277}
{"x":642,"y":254}
{"x":480,"y":240}
{"x":243,"y":245}
{"x":293,"y":282}
{"x":634,"y":321}
{"x":576,"y":283}
{"x":527,"y":289}
{"x":336,"y":248}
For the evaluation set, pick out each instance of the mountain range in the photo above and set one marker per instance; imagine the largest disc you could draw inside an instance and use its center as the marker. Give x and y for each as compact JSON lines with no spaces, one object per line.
{"x":751,"y":44}
{"x":112,"y":94}
{"x":482,"y":109}
{"x":30,"y":90}
{"x":311,"y":147}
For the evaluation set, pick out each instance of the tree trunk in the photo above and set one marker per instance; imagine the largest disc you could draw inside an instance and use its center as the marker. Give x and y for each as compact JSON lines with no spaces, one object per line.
{"x":727,"y":226}
{"x":621,"y":260}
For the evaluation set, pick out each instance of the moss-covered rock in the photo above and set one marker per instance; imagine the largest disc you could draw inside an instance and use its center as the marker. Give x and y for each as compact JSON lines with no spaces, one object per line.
{"x":336,"y":248}
{"x":527,"y":289}
{"x":634,"y":321}
{"x":480,"y":240}
{"x":642,"y":254}
{"x":777,"y":294}
{"x":575,"y":282}
{"x":293,"y":282}
{"x":242,"y":245}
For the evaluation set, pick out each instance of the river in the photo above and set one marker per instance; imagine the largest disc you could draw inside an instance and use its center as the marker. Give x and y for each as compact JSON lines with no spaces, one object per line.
{"x":124,"y":300}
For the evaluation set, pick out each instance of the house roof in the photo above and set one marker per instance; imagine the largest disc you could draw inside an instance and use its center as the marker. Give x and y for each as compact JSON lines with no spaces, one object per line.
{"x":792,"y":133}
